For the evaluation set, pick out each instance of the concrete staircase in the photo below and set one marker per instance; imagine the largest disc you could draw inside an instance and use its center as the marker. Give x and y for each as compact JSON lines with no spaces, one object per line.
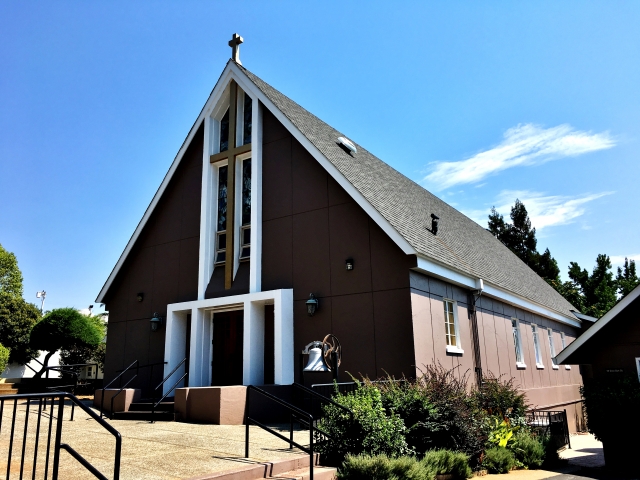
{"x":295,"y":468}
{"x":142,"y":411}
{"x":8,"y":389}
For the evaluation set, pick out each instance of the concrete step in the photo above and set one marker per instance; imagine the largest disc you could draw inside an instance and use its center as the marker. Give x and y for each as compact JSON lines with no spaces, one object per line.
{"x":8,"y":389}
{"x":292,"y":468}
{"x":142,"y":415}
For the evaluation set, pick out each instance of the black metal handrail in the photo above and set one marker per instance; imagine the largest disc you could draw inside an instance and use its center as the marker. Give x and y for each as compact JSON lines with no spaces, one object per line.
{"x":292,"y":410}
{"x":553,"y":423}
{"x":164,"y":380}
{"x":42,"y":401}
{"x":119,"y":377}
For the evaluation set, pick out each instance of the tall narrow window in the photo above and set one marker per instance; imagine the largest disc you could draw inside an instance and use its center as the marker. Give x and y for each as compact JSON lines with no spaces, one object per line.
{"x":451,"y":327}
{"x":247,"y":119}
{"x":245,"y":229}
{"x":563,"y":342}
{"x":536,"y":346}
{"x":552,"y":349}
{"x":517,"y":342}
{"x":224,"y":132}
{"x":221,"y":226}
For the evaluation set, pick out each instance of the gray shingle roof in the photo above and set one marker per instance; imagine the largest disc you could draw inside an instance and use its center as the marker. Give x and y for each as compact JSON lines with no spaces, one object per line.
{"x":461,"y":243}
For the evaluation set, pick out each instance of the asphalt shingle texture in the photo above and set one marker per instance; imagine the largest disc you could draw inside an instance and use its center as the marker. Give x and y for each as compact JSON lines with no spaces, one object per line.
{"x":461,"y":243}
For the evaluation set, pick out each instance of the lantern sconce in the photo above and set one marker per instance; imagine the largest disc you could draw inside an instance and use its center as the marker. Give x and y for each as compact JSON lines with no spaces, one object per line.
{"x":156,"y":321}
{"x":312,"y":305}
{"x":349,"y":263}
{"x":140,"y":296}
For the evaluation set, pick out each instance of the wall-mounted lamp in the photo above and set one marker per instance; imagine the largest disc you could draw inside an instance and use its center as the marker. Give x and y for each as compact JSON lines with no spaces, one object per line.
{"x":349,"y":263}
{"x":140,"y":296}
{"x":156,"y":321}
{"x":312,"y":305}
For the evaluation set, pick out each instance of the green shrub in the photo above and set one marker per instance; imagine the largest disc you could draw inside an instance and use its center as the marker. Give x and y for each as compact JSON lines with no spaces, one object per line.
{"x":444,"y":462}
{"x":498,"y":460}
{"x":371,"y":430}
{"x":498,"y":396}
{"x":550,"y":446}
{"x":4,"y":358}
{"x":381,"y":467}
{"x":501,"y":433}
{"x":438,"y":411}
{"x":528,"y":450}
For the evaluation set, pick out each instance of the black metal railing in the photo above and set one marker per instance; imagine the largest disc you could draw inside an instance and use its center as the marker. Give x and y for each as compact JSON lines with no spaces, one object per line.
{"x":551,"y":423}
{"x":296,"y":414}
{"x":312,"y":401}
{"x":46,"y":451}
{"x":171,"y":389}
{"x":118,"y":378}
{"x":329,"y":389}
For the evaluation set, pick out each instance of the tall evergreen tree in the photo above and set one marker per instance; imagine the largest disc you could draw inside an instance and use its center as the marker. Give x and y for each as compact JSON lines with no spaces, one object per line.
{"x":520,"y":237}
{"x":598,"y":289}
{"x":627,"y":279}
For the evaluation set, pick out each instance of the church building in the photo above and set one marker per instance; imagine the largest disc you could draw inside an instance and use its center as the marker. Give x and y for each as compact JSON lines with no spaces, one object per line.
{"x":272,"y":229}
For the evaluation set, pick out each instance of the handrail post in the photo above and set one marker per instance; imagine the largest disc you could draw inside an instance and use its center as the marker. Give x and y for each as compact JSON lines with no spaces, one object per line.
{"x":246,"y":432}
{"x":290,"y":430}
{"x":56,"y":447}
{"x":311,"y":447}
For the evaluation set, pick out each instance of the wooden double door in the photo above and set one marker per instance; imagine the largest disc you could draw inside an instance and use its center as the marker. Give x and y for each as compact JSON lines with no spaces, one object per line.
{"x":226,"y":364}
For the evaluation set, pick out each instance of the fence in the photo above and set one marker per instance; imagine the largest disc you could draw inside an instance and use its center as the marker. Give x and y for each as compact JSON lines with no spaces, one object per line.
{"x":31,"y":432}
{"x":553,"y":424}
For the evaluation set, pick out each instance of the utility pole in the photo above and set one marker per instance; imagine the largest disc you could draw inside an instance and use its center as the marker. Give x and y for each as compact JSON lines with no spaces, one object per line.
{"x":41,"y":295}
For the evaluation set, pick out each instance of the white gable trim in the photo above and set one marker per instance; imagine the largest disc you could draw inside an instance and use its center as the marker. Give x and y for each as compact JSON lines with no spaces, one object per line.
{"x":438,"y":270}
{"x":599,"y":325}
{"x":232,"y":71}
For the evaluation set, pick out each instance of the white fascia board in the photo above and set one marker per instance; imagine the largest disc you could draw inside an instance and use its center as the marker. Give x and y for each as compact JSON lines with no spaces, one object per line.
{"x":209,"y":303}
{"x":599,"y":325}
{"x":444,"y":272}
{"x":326,"y":164}
{"x":212,"y":100}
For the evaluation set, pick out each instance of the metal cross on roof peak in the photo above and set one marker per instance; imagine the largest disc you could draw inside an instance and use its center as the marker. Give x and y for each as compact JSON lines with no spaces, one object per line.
{"x":234,"y":43}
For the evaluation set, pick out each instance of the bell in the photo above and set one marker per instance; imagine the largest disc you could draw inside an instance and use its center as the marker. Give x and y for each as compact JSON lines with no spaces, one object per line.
{"x":315,"y":363}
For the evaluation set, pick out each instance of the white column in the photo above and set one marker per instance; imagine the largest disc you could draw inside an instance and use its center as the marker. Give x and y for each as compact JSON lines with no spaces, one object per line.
{"x":255,"y":273}
{"x":200,"y":355}
{"x":283,"y":337}
{"x":253,"y":343}
{"x":207,"y":213}
{"x":175,"y":344}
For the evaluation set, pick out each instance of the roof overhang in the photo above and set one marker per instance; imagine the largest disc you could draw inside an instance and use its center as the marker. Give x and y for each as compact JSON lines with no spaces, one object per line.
{"x":562,"y":357}
{"x":444,"y":272}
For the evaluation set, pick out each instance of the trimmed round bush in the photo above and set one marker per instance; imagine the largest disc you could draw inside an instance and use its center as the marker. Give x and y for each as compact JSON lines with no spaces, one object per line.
{"x":498,"y":460}
{"x":381,"y":467}
{"x":445,"y":462}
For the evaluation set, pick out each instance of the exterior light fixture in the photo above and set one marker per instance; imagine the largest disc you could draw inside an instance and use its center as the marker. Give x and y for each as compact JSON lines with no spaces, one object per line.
{"x":349,"y":263}
{"x":140,"y":296}
{"x":312,"y":305}
{"x":156,"y":321}
{"x":434,"y":223}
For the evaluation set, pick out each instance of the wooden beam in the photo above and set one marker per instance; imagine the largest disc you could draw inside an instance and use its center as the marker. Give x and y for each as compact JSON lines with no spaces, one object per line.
{"x":218,"y":157}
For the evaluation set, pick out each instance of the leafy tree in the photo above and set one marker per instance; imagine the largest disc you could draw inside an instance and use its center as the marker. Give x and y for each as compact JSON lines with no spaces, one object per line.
{"x":520,"y":238}
{"x":10,"y":274}
{"x":17,"y":318}
{"x":598,"y":289}
{"x":81,"y":353}
{"x":64,"y":329}
{"x":627,"y":279}
{"x":4,"y":358}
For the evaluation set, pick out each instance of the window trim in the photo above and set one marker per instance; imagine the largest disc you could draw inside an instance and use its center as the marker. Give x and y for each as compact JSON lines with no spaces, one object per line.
{"x":536,"y":347}
{"x":564,"y":345}
{"x":457,"y":349}
{"x":552,"y":349}
{"x":520,"y":364}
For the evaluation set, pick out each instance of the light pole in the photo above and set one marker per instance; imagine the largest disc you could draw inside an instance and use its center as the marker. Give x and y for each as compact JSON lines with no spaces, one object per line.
{"x":42,"y":296}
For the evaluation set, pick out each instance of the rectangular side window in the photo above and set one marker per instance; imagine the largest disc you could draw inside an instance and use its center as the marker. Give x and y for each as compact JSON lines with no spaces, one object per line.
{"x":517,"y":342}
{"x":451,"y":327}
{"x":552,"y":349}
{"x":536,"y":346}
{"x":563,"y":342}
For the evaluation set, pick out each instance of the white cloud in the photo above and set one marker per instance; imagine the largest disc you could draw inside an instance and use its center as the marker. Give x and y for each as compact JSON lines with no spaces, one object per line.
{"x":619,"y":259}
{"x":544,"y":210}
{"x":525,"y":144}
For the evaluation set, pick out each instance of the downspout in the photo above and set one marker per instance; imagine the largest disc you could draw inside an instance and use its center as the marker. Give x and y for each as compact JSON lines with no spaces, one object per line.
{"x":474,"y":295}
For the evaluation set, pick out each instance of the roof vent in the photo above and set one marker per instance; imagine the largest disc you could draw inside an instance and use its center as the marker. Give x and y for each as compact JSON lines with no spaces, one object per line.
{"x":434,"y":223}
{"x":347,"y":145}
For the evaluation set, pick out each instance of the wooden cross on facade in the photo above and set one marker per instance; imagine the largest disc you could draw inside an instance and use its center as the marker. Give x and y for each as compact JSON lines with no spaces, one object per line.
{"x":230,"y":154}
{"x":234,"y":43}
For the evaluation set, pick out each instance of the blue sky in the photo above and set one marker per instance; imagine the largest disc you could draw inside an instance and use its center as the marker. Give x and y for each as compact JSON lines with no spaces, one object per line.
{"x":481,"y":102}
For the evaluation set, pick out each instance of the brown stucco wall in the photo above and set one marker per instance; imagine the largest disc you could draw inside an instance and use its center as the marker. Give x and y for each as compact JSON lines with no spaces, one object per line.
{"x":310,"y":227}
{"x":163,"y":265}
{"x":545,"y":388}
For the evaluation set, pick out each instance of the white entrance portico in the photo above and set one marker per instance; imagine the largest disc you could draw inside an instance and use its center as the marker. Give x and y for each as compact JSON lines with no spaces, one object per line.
{"x":200,"y":348}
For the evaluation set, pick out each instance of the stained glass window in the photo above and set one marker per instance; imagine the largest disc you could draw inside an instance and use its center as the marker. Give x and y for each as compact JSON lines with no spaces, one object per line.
{"x":222,"y":198}
{"x":246,"y":192}
{"x":224,"y":132}
{"x":515,"y":325}
{"x":536,"y":346}
{"x":247,"y":119}
{"x":450,"y":324}
{"x":552,"y":348}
